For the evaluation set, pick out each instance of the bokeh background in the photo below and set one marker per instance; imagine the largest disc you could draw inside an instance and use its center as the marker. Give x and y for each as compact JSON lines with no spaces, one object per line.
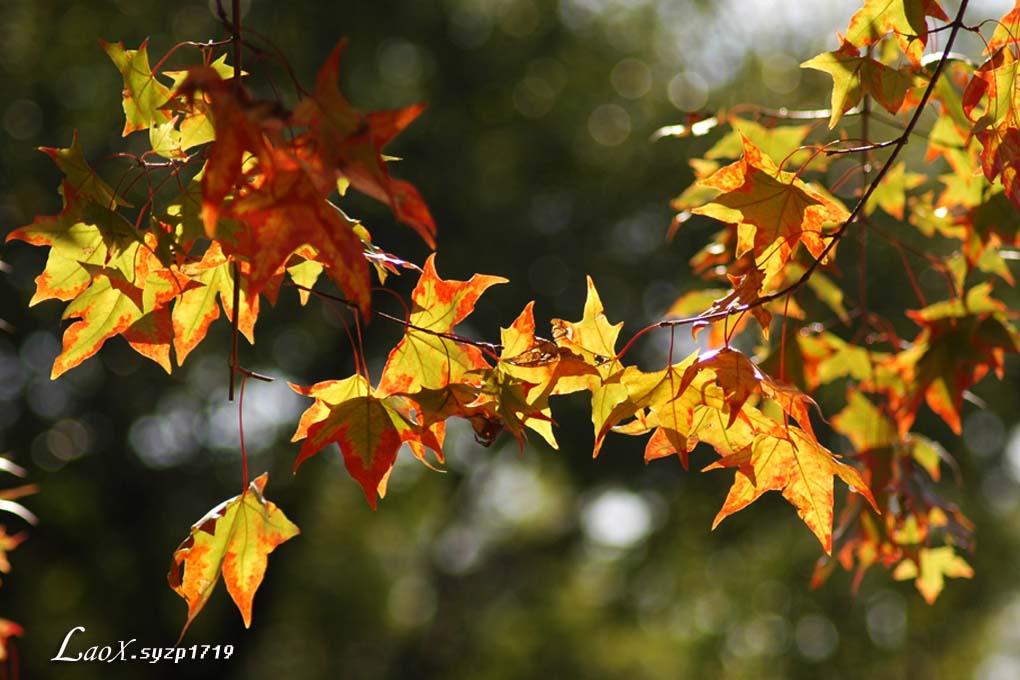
{"x":534,"y":156}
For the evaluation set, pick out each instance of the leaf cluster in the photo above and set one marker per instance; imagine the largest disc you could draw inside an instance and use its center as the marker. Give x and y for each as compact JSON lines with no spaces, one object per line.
{"x":255,"y":190}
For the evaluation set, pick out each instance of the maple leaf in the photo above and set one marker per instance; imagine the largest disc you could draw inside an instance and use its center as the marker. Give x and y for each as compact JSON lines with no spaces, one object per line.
{"x":928,"y":454}
{"x":997,"y":124}
{"x":423,"y":358}
{"x":144,"y":96}
{"x":508,"y":400}
{"x":864,"y":424}
{"x":670,"y":409}
{"x":906,"y":18}
{"x":781,"y":141}
{"x":191,"y":125}
{"x":890,"y":195}
{"x":240,"y":126}
{"x":747,"y":289}
{"x":827,"y":357}
{"x":798,"y":466}
{"x":1007,"y":30}
{"x":81,"y":176}
{"x":82,"y":234}
{"x":854,"y":76}
{"x":931,"y":568}
{"x":593,"y":339}
{"x":463,"y":400}
{"x":195,"y":309}
{"x":128,"y":296}
{"x":291,"y":211}
{"x":960,"y":342}
{"x":538,"y":361}
{"x":368,"y":427}
{"x":739,"y":379}
{"x":773,"y":210}
{"x":352,"y":142}
{"x":233,"y":540}
{"x":1001,"y":158}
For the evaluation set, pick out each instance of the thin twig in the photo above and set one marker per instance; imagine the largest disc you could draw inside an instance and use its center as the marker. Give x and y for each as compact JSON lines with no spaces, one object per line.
{"x":864,"y":148}
{"x":783,"y":113}
{"x":240,"y":429}
{"x":487,"y":347}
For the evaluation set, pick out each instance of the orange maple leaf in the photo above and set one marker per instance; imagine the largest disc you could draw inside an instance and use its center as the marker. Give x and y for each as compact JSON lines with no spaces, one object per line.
{"x":288,"y":211}
{"x":773,"y":210}
{"x":351,"y":142}
{"x":798,"y":466}
{"x":423,"y":358}
{"x":240,"y":127}
{"x":368,"y":428}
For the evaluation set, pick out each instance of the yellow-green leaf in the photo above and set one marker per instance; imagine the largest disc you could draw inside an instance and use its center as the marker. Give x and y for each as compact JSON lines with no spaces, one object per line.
{"x":233,"y":540}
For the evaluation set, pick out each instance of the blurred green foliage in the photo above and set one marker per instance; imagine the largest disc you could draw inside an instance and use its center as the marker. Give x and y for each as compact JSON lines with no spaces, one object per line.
{"x":535,"y":158}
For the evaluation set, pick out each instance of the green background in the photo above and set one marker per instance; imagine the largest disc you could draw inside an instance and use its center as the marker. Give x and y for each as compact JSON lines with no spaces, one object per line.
{"x":534,"y":157}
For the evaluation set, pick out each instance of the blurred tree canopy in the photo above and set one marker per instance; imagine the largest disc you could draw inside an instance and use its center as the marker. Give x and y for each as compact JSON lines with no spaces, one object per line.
{"x":534,"y":157}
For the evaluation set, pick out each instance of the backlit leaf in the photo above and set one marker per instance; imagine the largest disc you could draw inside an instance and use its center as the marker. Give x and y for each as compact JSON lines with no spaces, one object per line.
{"x":233,"y":541}
{"x":774,"y":210}
{"x":854,"y":76}
{"x":424,"y":359}
{"x":367,"y":427}
{"x":143,"y":94}
{"x":798,"y":466}
{"x":906,"y":18}
{"x":352,"y":142}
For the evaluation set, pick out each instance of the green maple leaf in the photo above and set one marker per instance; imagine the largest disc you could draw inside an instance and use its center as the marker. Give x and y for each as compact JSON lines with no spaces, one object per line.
{"x":864,"y":424}
{"x":593,"y":339}
{"x":854,"y":76}
{"x":935,"y":565}
{"x":781,"y":141}
{"x":669,"y":405}
{"x":890,"y":195}
{"x":510,"y":401}
{"x":81,"y":176}
{"x":82,"y":234}
{"x":196,"y":308}
{"x":143,"y":94}
{"x":111,"y":306}
{"x":540,"y":362}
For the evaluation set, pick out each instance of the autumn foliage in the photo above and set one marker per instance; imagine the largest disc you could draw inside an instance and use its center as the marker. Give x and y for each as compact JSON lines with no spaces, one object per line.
{"x":258,"y":183}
